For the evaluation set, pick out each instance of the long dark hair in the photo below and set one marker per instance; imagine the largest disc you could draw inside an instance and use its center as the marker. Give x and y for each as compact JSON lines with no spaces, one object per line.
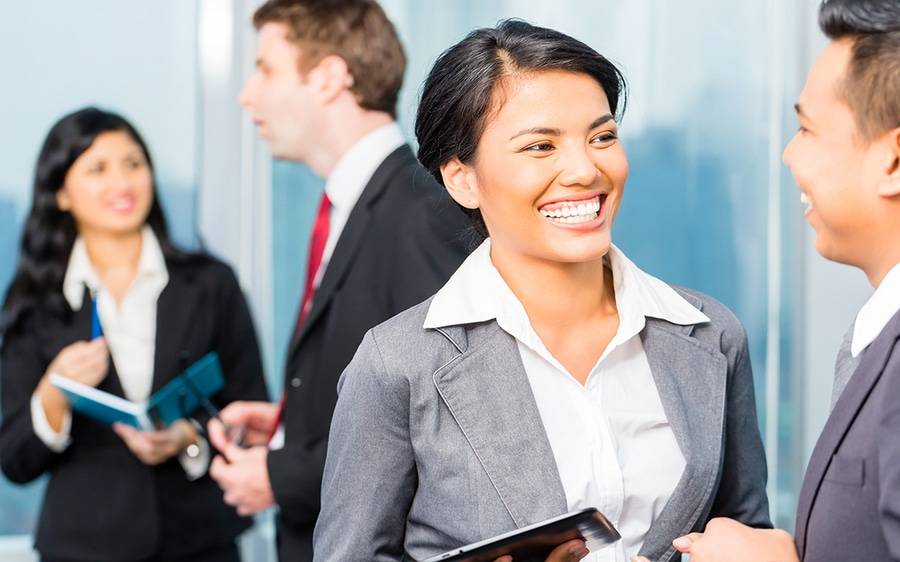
{"x":456,"y":96}
{"x":50,"y":232}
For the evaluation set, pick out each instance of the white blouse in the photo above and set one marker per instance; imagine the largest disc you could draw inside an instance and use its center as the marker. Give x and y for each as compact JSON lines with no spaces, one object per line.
{"x":129,"y":328}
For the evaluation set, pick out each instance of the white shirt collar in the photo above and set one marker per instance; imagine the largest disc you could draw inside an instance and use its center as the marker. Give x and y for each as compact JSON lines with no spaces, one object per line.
{"x":80,"y":271}
{"x":877,"y":312}
{"x":478,"y":293}
{"x":356,"y":167}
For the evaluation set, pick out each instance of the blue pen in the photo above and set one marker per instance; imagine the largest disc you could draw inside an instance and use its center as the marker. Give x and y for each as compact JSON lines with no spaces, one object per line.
{"x":96,"y":328}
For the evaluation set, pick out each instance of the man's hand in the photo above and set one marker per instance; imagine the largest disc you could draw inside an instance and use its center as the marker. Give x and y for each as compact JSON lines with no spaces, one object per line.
{"x":571,"y":551}
{"x":243,"y":475}
{"x":156,"y":447}
{"x":256,"y":418}
{"x":726,"y":540}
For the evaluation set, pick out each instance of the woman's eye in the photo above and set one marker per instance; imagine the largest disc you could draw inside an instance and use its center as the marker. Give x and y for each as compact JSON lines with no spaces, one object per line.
{"x":539,"y":147}
{"x":134,"y":164}
{"x":604,"y":138}
{"x":96,"y":169}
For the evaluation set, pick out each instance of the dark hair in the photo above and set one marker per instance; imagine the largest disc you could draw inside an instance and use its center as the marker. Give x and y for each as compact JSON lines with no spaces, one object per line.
{"x":358,"y":31}
{"x":872,"y":85}
{"x":49,"y":233}
{"x":457,"y":94}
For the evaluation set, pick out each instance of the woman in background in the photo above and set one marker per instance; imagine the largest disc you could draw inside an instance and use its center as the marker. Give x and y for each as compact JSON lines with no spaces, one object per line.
{"x":550,"y":373}
{"x":96,"y":240}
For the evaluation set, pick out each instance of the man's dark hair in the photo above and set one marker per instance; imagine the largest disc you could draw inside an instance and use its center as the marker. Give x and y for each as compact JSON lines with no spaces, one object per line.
{"x":358,"y":31}
{"x":458,"y":93}
{"x":872,"y":84}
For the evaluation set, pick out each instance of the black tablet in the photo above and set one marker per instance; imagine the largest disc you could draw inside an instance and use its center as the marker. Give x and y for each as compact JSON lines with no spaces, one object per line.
{"x":535,"y":542}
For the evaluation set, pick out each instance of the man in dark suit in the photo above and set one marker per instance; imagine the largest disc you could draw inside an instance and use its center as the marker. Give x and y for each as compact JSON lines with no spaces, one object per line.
{"x":846,"y":160}
{"x":385,"y":238}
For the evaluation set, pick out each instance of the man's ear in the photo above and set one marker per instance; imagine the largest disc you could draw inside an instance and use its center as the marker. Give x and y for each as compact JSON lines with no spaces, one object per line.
{"x":459,"y":179}
{"x":889,"y":186}
{"x":330,"y":78}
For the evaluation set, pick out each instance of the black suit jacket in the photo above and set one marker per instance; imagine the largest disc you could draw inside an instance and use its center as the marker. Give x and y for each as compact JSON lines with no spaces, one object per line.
{"x":849,"y":506}
{"x":101,"y":502}
{"x":402,"y":241}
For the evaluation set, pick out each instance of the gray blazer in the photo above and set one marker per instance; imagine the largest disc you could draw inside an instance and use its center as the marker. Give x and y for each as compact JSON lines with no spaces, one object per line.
{"x":437,"y":441}
{"x":849,"y":506}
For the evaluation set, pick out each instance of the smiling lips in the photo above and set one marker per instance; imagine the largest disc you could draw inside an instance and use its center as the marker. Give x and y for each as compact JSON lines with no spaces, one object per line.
{"x":122,"y":205}
{"x":574,"y":212}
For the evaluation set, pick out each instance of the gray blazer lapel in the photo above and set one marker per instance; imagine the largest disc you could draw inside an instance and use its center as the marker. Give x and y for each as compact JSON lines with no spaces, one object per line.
{"x":691,"y":378}
{"x":487,"y":391}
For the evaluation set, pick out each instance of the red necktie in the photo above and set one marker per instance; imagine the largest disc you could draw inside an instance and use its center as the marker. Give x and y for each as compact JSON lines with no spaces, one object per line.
{"x":316,"y":250}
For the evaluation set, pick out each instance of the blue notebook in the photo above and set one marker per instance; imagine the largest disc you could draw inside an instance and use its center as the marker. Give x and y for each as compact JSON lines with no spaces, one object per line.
{"x":178,"y":399}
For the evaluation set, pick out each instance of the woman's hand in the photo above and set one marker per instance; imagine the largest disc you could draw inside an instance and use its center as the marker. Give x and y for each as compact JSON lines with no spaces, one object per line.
{"x":156,"y":447}
{"x":571,"y":551}
{"x":83,"y":362}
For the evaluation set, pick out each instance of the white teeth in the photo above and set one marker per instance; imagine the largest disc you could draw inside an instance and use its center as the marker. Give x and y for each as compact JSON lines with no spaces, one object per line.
{"x":574,"y":219}
{"x":805,"y":200}
{"x":577,"y":212}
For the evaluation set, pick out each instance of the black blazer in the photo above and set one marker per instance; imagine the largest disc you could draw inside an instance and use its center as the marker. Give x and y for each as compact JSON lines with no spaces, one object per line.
{"x":101,"y":502}
{"x":402,"y":241}
{"x":849,"y":506}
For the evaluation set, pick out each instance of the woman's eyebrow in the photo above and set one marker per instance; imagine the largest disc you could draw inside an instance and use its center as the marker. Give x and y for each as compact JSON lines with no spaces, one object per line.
{"x":557,"y":132}
{"x":599,"y":121}
{"x":537,"y":131}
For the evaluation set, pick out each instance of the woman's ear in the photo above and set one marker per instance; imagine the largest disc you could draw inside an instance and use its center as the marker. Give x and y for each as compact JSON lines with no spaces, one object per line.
{"x":889,"y":186}
{"x":459,"y":179}
{"x":63,"y":201}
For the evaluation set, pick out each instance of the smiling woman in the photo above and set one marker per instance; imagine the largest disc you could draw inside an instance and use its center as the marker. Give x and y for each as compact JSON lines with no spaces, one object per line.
{"x":550,"y":373}
{"x":95,"y":254}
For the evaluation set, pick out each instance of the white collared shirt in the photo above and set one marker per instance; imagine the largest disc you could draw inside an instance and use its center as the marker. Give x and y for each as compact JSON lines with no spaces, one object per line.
{"x":129,"y":328}
{"x":349,"y":178}
{"x":612,"y":443}
{"x":877,"y":312}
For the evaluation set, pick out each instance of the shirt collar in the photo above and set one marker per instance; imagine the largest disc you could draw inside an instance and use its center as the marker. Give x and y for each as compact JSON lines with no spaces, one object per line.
{"x":357,"y":166}
{"x":477,"y":293}
{"x":80,"y":272}
{"x":877,"y":312}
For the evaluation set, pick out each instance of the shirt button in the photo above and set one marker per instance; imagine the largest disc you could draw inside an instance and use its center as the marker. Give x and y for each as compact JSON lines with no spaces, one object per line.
{"x":296,"y":382}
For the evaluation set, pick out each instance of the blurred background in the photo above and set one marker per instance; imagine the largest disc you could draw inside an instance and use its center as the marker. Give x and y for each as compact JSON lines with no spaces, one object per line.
{"x":708,"y":205}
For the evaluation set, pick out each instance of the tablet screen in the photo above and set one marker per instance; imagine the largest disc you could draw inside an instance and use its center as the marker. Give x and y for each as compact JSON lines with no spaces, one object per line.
{"x":535,"y":542}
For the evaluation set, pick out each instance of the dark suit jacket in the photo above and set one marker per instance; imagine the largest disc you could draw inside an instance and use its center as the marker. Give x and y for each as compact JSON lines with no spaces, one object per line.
{"x":849,"y":507}
{"x":402,"y":241}
{"x":101,"y":502}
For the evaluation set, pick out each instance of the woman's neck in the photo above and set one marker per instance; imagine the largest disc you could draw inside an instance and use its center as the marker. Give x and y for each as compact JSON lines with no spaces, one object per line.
{"x":558,"y":294}
{"x":115,"y":258}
